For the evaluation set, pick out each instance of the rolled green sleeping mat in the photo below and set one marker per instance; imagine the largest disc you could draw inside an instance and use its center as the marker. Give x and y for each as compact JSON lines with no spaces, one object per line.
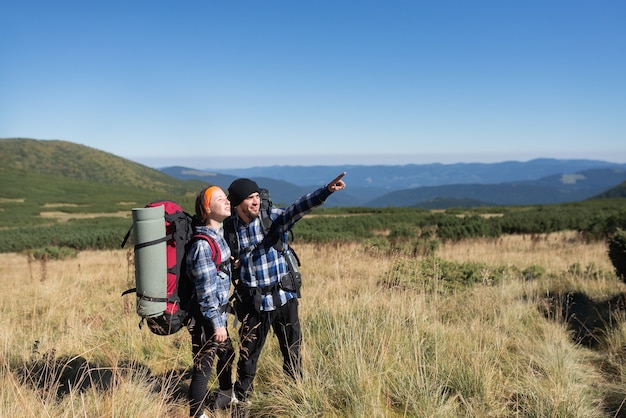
{"x":150,"y":260}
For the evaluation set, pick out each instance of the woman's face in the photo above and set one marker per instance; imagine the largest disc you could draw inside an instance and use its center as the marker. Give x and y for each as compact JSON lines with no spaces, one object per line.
{"x":219,"y":207}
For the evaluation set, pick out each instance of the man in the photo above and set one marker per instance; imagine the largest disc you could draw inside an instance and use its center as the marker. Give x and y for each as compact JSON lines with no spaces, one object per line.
{"x":267,"y":292}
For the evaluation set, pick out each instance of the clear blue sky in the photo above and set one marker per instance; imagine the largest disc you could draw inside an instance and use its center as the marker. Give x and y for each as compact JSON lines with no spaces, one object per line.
{"x":230,"y":84}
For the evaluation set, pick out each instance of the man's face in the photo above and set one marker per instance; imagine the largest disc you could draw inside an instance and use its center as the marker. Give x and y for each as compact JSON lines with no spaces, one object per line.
{"x":248,"y":209}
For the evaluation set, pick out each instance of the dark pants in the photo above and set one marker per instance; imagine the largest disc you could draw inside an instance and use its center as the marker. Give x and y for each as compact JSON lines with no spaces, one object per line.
{"x":205,"y":349}
{"x":253,"y":333}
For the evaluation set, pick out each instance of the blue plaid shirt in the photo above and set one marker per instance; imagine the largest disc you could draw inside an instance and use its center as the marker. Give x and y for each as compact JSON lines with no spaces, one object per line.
{"x":212,"y":286}
{"x":262,"y":267}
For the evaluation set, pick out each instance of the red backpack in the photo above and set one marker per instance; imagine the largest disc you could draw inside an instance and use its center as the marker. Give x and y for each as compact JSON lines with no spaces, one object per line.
{"x":178,"y":236}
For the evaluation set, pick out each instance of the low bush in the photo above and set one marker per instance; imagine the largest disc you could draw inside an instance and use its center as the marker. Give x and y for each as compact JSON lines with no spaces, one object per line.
{"x":432,"y":274}
{"x":617,"y":253}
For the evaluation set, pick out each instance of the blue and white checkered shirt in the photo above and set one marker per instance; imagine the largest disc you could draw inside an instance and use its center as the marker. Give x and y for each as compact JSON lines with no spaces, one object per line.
{"x":212,"y":286}
{"x":261,"y":266}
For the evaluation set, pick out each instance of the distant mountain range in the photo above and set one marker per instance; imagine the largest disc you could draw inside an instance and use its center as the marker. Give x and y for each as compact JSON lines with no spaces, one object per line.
{"x":540,"y":181}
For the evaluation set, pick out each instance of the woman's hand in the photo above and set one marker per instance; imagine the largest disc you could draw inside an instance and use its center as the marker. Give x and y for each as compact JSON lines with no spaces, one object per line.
{"x":220,"y":334}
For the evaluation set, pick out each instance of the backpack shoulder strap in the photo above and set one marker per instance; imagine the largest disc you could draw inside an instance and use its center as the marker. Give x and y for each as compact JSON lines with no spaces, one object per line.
{"x":230,"y":235}
{"x":265,"y":209}
{"x":215,"y":251}
{"x":274,"y":239}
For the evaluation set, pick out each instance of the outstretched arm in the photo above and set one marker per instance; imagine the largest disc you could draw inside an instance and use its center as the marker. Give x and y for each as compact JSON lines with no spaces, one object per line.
{"x":337,"y":183}
{"x":305,"y":204}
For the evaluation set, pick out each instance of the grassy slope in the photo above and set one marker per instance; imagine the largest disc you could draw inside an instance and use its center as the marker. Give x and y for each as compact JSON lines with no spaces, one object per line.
{"x":370,"y":349}
{"x":67,"y":195}
{"x":73,"y":161}
{"x":40,"y":175}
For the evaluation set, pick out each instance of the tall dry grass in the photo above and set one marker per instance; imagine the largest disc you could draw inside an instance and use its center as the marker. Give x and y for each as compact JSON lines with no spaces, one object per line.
{"x":490,"y":350}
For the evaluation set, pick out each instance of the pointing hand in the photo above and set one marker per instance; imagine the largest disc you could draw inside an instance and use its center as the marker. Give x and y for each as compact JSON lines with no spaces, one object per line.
{"x":337,"y":183}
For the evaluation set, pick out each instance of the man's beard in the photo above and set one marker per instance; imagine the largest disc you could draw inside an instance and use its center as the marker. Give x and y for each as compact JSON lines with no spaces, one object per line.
{"x":249,"y":214}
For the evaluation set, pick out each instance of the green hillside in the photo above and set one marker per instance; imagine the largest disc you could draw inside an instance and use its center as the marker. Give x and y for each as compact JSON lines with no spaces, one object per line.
{"x":617,"y":191}
{"x":44,"y":176}
{"x":57,"y":194}
{"x":61,"y":193}
{"x":62,"y":159}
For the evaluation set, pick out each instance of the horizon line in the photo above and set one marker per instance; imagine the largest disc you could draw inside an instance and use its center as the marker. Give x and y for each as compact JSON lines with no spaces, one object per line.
{"x":251,"y":162}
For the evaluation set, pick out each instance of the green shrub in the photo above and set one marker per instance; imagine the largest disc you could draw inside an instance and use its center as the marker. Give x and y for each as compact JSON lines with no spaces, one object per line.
{"x":378,"y":244}
{"x":533,"y":272}
{"x":617,"y":252}
{"x":433,"y":274}
{"x":408,"y":231}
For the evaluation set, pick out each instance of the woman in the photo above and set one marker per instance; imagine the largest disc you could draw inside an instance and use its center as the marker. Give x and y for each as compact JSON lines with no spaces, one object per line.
{"x":207,"y":263}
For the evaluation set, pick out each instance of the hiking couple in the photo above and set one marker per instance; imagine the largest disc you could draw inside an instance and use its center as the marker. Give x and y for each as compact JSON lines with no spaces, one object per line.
{"x":263,"y":301}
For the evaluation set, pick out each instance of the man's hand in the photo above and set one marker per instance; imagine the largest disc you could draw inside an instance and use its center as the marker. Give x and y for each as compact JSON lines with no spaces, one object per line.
{"x":337,"y":183}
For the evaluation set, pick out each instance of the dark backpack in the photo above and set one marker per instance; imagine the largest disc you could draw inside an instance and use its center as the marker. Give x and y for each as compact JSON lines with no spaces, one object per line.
{"x":178,"y":236}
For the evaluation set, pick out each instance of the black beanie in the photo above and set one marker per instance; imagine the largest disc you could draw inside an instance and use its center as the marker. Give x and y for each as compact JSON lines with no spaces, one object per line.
{"x":240,"y":189}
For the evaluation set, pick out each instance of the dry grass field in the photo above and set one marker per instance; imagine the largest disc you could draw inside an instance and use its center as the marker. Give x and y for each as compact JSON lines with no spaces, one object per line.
{"x":511,"y":347}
